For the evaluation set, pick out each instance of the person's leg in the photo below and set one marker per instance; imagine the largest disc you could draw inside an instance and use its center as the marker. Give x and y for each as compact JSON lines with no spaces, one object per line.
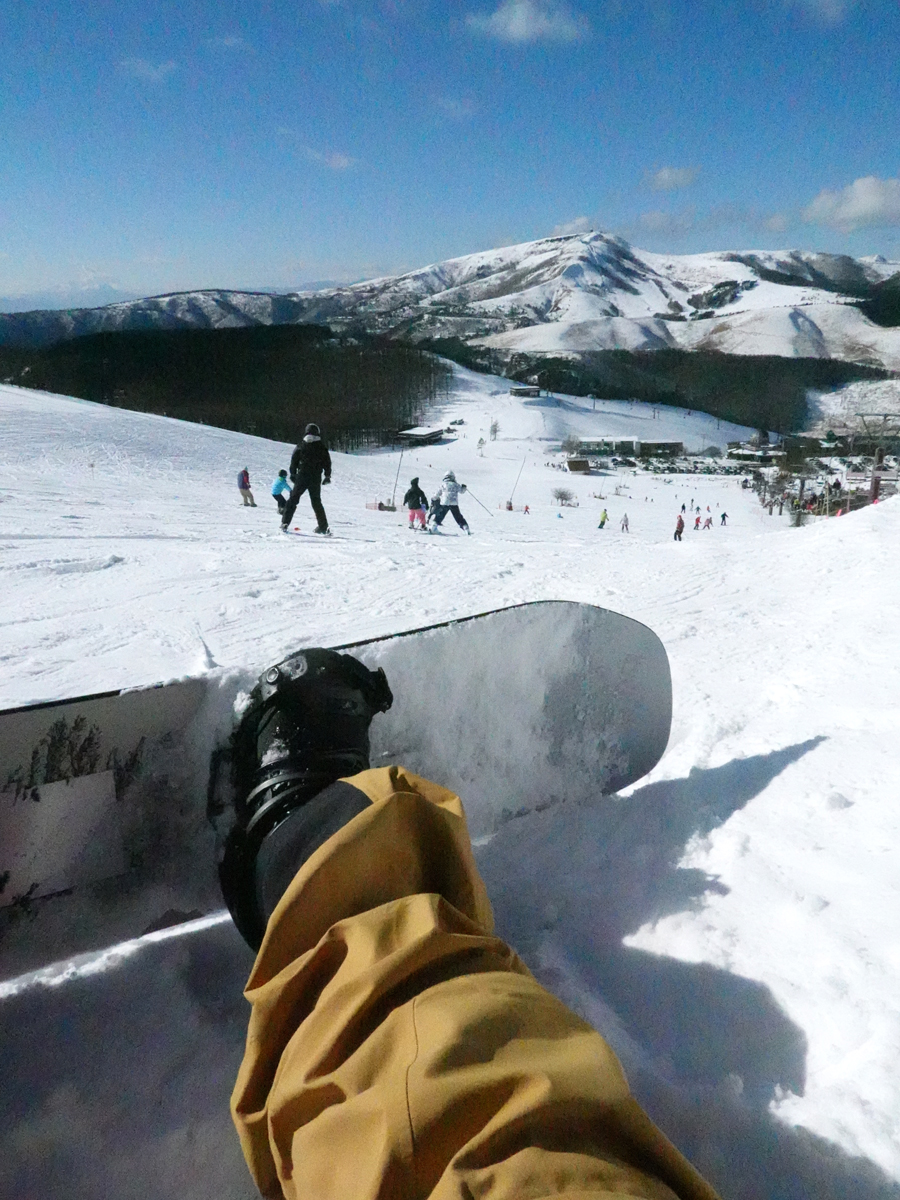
{"x":440,"y":511}
{"x":397,"y":1047}
{"x":252,"y":501}
{"x":244,"y":494}
{"x":296,"y":492}
{"x":458,"y":517}
{"x":315,"y":498}
{"x":420,"y":516}
{"x":281,"y":502}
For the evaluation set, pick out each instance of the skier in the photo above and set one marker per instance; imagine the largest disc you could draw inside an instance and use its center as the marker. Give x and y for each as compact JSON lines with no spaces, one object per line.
{"x":624,"y":525}
{"x":679,"y":528}
{"x":416,"y":501}
{"x":447,"y":500}
{"x":697,"y":522}
{"x":604,"y":517}
{"x":381,"y":999}
{"x":308,"y":462}
{"x":707,"y":524}
{"x":724,"y":520}
{"x":279,"y":487}
{"x":683,"y":507}
{"x":244,"y":488}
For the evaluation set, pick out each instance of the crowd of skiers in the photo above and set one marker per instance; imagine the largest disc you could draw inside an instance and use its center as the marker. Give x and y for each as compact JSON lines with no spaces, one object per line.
{"x":698,"y":517}
{"x":310,"y":470}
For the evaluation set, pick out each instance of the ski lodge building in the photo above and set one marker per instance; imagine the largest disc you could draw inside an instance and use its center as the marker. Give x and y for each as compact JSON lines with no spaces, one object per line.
{"x":634,"y":447}
{"x":420,"y":435}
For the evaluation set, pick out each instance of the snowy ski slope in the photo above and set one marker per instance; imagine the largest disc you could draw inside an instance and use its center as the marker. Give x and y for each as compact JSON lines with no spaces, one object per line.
{"x":730,"y":924}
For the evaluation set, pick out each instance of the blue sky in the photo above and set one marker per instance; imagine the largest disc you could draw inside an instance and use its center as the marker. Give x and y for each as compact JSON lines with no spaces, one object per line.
{"x":160,"y":146}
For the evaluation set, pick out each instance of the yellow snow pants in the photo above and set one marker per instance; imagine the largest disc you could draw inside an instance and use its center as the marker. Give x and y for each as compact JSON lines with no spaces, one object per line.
{"x":397,"y":1050}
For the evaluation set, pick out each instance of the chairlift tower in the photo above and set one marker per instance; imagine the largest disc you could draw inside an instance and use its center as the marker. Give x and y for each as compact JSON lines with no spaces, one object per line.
{"x":883,"y":429}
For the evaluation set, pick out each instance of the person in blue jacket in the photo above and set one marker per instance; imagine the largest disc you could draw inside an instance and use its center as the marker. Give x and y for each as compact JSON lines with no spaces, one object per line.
{"x":279,"y":487}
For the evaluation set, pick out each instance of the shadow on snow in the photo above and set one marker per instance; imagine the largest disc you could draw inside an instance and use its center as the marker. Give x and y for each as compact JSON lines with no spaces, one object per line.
{"x":706,"y":1051}
{"x":117,"y":1085}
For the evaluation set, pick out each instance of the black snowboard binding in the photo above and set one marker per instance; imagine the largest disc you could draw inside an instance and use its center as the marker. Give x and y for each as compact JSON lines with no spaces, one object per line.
{"x":306,"y":726}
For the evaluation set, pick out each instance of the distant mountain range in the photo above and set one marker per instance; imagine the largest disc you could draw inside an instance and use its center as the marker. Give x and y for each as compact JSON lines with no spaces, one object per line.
{"x":562,"y":297}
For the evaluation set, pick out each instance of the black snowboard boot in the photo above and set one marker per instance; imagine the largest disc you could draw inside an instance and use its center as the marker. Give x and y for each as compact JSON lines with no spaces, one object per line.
{"x":306,"y":726}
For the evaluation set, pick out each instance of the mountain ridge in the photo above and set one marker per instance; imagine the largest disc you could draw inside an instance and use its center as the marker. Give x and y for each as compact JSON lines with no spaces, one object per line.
{"x":566,"y":295}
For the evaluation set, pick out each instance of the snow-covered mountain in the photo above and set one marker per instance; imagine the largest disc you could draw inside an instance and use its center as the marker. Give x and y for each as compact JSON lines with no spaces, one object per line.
{"x":562,"y":296}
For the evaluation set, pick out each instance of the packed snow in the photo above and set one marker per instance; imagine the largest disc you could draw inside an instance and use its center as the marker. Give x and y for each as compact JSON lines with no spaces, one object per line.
{"x":731,"y":923}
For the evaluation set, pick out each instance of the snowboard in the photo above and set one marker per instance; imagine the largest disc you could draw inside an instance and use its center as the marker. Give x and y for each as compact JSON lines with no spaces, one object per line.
{"x":105,"y":833}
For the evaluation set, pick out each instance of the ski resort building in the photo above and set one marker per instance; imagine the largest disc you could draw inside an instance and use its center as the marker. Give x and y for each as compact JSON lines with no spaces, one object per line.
{"x":748,"y":452}
{"x":420,"y":435}
{"x":633,"y":446}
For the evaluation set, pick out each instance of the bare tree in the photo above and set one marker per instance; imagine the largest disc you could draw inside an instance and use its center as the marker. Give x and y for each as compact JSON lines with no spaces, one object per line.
{"x":571,"y":444}
{"x":563,"y":495}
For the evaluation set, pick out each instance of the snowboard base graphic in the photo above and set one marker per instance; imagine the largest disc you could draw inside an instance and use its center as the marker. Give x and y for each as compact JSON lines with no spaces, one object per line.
{"x":103,"y":799}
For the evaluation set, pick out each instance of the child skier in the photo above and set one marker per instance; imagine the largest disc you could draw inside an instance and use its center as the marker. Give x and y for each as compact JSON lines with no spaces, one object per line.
{"x":604,"y":517}
{"x":416,"y":501}
{"x":679,"y":528}
{"x":625,"y":523}
{"x":279,"y":487}
{"x":697,"y":522}
{"x":244,"y":488}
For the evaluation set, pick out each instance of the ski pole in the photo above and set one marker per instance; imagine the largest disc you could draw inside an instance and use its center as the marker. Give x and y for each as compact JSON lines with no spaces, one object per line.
{"x":399,"y":465}
{"x":477,"y":501}
{"x":516,"y":484}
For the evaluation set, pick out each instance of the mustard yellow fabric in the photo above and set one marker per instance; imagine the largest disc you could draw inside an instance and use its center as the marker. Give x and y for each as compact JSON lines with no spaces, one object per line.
{"x":397,"y":1050}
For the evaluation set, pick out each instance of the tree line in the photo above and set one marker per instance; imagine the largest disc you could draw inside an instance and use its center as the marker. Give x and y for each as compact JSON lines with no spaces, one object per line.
{"x":265,"y":380}
{"x":763,"y":391}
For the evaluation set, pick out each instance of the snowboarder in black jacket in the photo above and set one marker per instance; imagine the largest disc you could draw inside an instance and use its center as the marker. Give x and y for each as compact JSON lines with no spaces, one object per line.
{"x":308,"y":463}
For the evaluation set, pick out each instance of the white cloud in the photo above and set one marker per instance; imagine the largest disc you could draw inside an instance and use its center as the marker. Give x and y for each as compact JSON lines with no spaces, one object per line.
{"x":457,"y":109}
{"x":666,"y":222}
{"x":333,"y":159}
{"x":670,"y":179}
{"x":869,"y":201}
{"x":521,"y":21}
{"x":227,"y":42}
{"x":142,"y":68}
{"x":578,"y":225}
{"x":776,"y":223}
{"x":828,"y":11}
